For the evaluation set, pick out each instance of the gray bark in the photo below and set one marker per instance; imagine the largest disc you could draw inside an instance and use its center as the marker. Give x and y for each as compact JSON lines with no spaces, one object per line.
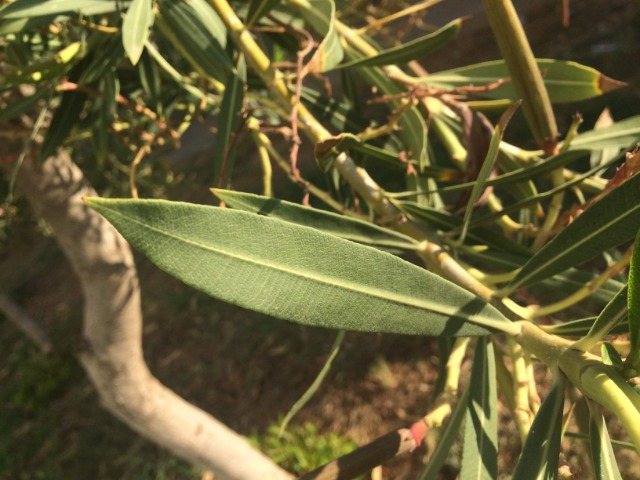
{"x":112,"y":330}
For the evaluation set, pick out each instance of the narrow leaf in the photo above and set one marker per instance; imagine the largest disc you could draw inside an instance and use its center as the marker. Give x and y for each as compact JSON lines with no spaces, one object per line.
{"x":539,"y":457}
{"x":487,"y":167}
{"x":634,"y":306}
{"x":565,"y":81}
{"x":296,"y":273}
{"x":609,"y":222}
{"x":228,"y":122}
{"x":621,"y":134}
{"x":136,"y":28}
{"x":194,"y":37}
{"x":445,"y":221}
{"x":209,"y":18}
{"x":580,"y":327}
{"x":610,"y":356}
{"x":529,"y":172}
{"x":22,"y":105}
{"x":258,"y":9}
{"x":614,"y":313}
{"x":480,"y":451}
{"x":407,"y":52}
{"x":448,"y":437}
{"x":320,"y":15}
{"x":66,"y":116}
{"x":328,"y":222}
{"x":36,"y":8}
{"x":604,"y":461}
{"x":413,"y":129}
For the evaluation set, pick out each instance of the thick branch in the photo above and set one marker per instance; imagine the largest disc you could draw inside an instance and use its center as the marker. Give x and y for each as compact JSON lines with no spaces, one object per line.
{"x":112,"y":329}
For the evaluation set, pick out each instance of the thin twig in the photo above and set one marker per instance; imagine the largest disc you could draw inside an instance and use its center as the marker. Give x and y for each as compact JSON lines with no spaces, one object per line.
{"x":24,"y":322}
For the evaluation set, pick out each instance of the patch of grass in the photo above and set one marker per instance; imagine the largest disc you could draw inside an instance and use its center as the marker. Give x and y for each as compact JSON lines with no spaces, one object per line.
{"x":301,"y":448}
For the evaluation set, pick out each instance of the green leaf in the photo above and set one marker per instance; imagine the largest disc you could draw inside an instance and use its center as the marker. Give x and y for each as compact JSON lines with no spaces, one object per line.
{"x":66,"y":116}
{"x":296,"y":273}
{"x":136,"y":28}
{"x":36,"y":8}
{"x":407,"y":52}
{"x":228,"y":122}
{"x":614,"y":313}
{"x":633,"y":303}
{"x":539,"y":457}
{"x":321,"y":16}
{"x":580,"y":327}
{"x":348,"y":228}
{"x":209,"y":19}
{"x":195,"y":36}
{"x":445,"y":221}
{"x":529,"y":172}
{"x":258,"y":9}
{"x":609,"y":222}
{"x":565,"y":81}
{"x":487,"y":167}
{"x":22,"y":105}
{"x":604,"y":461}
{"x":480,"y":451}
{"x":447,"y":439}
{"x":150,"y":81}
{"x":105,"y":108}
{"x":413,"y":129}
{"x":621,"y":134}
{"x":610,"y":356}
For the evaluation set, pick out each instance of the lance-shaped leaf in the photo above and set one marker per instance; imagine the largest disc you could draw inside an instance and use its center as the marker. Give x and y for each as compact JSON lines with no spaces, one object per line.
{"x":36,"y":8}
{"x":621,"y":134}
{"x":258,"y":9}
{"x":487,"y":167}
{"x":565,"y":81}
{"x":328,"y":222}
{"x":609,"y":222}
{"x":529,"y":172}
{"x":228,"y":122}
{"x":480,"y":451}
{"x":22,"y":105}
{"x":614,"y":313}
{"x":66,"y":116}
{"x":580,"y":327}
{"x":321,"y":16}
{"x":136,"y":28}
{"x":605,"y":465}
{"x":539,"y":457}
{"x":445,"y":221}
{"x":445,"y":442}
{"x":297,"y":273}
{"x":409,"y":51}
{"x":195,"y":36}
{"x":633,"y":302}
{"x":413,"y":129}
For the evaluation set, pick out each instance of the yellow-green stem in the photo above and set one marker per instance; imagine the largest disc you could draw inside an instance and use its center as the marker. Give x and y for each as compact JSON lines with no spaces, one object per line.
{"x":525,"y":74}
{"x":583,"y":292}
{"x":522,"y":412}
{"x":553,"y":212}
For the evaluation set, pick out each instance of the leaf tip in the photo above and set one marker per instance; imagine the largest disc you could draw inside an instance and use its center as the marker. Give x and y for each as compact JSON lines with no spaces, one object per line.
{"x":608,"y":84}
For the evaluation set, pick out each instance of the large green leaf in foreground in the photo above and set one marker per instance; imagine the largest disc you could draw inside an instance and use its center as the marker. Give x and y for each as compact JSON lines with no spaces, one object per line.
{"x":296,"y":273}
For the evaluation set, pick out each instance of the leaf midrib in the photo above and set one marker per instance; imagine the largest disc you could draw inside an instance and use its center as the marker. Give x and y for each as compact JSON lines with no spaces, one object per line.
{"x":324,"y":280}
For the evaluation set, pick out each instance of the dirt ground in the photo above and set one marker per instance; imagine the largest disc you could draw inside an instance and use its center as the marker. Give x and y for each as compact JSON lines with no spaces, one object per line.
{"x":244,"y":368}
